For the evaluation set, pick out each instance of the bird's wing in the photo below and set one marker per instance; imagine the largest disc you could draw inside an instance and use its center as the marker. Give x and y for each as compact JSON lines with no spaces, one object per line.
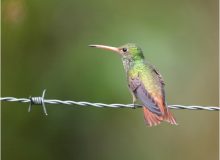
{"x":160,"y":78}
{"x":141,"y":93}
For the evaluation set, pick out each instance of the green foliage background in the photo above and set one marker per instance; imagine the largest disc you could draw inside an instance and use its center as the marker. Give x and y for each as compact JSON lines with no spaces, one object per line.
{"x":44,"y":45}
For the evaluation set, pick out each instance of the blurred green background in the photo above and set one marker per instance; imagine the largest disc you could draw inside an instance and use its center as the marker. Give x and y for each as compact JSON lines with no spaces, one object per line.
{"x":44,"y":45}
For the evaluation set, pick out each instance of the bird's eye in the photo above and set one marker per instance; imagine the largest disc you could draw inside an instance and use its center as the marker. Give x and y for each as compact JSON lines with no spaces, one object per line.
{"x":124,"y":49}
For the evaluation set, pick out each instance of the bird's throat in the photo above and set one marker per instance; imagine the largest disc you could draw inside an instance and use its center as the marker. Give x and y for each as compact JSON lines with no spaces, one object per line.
{"x":127,"y":63}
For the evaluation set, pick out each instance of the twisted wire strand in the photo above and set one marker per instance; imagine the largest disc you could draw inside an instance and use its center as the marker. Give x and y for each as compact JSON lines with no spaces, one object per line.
{"x":41,"y":101}
{"x":101,"y":105}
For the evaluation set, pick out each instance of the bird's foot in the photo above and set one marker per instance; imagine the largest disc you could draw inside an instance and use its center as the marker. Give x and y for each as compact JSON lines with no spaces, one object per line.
{"x":134,"y":106}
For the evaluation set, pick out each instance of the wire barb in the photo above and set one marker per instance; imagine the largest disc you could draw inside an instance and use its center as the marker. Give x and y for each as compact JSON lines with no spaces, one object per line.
{"x":38,"y":101}
{"x":42,"y":101}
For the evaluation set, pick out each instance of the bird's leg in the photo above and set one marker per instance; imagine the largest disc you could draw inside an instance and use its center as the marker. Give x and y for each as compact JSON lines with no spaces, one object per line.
{"x":134,"y":100}
{"x":131,"y":89}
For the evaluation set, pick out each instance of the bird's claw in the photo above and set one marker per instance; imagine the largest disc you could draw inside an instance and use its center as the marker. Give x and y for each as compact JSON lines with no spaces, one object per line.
{"x":134,"y":106}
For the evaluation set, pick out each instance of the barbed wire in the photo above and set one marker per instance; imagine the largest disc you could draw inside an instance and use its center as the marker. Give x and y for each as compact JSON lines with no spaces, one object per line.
{"x":41,"y":101}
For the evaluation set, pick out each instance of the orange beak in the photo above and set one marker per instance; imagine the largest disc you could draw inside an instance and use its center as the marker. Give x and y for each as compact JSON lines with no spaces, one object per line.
{"x":114,"y":49}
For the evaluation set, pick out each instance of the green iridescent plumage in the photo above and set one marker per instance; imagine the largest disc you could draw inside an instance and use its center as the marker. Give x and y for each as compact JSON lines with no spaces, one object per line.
{"x":138,"y":66}
{"x":144,"y":82}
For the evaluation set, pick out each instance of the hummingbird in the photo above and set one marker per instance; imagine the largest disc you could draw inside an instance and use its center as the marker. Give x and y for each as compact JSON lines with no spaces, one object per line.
{"x":144,"y":82}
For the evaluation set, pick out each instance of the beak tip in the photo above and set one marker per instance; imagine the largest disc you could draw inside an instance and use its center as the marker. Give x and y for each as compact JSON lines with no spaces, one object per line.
{"x":114,"y":49}
{"x":92,"y":45}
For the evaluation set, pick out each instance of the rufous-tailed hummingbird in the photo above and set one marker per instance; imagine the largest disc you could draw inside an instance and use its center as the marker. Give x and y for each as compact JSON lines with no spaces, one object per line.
{"x":145,"y":83}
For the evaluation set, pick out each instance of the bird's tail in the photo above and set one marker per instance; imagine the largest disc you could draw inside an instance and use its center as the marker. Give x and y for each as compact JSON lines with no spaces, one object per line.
{"x":153,"y":119}
{"x":170,"y":118}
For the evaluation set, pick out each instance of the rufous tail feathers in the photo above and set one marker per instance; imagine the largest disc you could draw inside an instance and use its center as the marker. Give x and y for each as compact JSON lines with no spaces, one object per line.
{"x":153,"y":119}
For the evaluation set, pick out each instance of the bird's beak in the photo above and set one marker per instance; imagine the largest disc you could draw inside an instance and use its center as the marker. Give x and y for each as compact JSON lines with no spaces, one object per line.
{"x":114,"y":49}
